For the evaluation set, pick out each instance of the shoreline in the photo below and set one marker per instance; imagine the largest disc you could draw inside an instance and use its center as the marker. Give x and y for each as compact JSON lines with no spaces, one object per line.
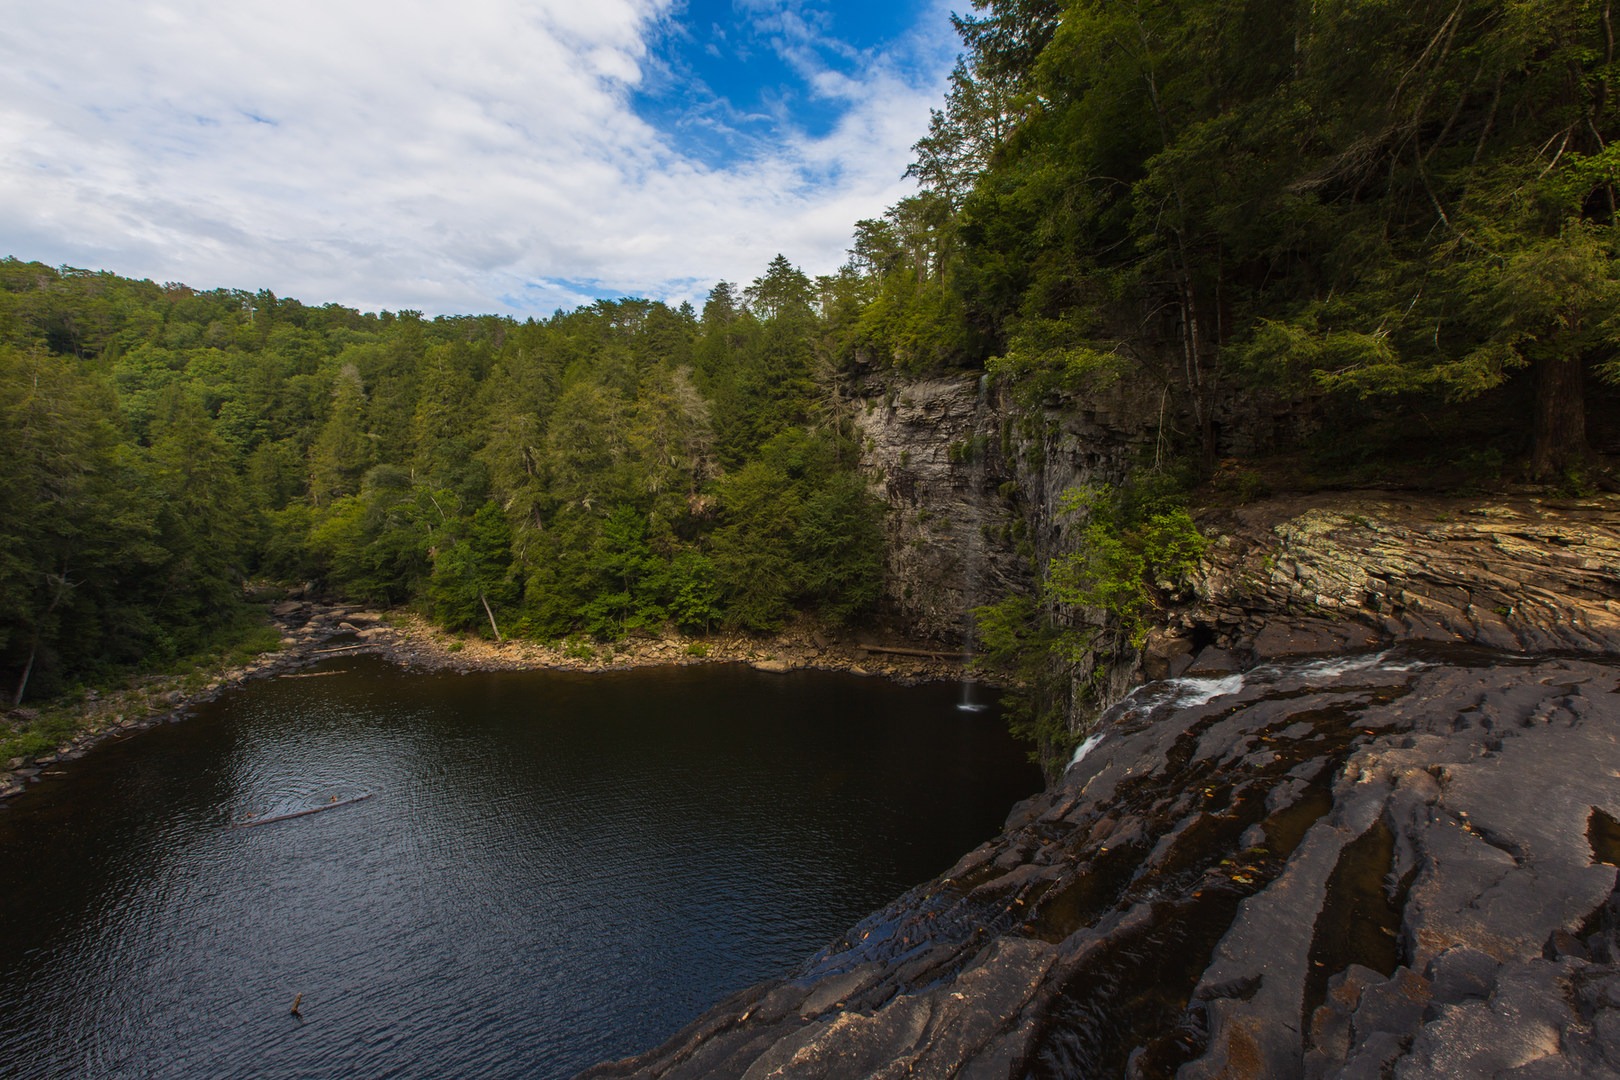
{"x":312,"y":632}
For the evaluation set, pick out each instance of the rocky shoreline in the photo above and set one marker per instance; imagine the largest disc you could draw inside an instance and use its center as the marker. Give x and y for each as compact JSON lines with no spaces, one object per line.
{"x":314,"y":631}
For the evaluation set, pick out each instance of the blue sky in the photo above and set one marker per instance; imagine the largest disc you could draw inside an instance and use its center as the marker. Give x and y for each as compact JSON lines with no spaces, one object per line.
{"x":727,"y":80}
{"x":493,"y":155}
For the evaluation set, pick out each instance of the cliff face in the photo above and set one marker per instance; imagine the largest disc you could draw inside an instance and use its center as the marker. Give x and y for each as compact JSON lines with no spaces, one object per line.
{"x":1395,"y":862}
{"x":1364,"y":822}
{"x":973,"y":485}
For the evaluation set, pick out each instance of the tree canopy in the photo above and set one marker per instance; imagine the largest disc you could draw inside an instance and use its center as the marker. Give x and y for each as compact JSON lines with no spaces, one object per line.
{"x":621,"y":467}
{"x":1369,"y":199}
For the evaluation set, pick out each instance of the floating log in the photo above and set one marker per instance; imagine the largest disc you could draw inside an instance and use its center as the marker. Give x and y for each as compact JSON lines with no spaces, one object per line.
{"x":894,"y":650}
{"x":333,"y":805}
{"x":296,"y":1001}
{"x":309,"y":674}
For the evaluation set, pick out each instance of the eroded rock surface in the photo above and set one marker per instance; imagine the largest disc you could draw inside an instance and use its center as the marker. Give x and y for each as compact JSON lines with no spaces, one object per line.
{"x":1335,"y":571}
{"x":1399,"y":864}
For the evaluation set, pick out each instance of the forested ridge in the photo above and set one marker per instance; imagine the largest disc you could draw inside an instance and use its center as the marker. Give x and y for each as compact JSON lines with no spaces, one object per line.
{"x":620,"y":467}
{"x":1395,"y":218}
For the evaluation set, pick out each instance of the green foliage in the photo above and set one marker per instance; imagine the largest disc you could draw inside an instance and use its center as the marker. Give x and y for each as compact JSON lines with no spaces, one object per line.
{"x":1136,"y":543}
{"x":1134,"y":546}
{"x":374,"y":545}
{"x":1409,"y":203}
{"x":611,"y":470}
{"x":796,"y":527}
{"x":1018,"y":641}
{"x":471,"y":575}
{"x":1048,"y":358}
{"x":694,"y":592}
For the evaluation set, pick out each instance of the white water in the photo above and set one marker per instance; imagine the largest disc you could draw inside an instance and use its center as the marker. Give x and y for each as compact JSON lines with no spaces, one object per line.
{"x":1191,"y":691}
{"x":1085,"y":748}
{"x":975,"y":555}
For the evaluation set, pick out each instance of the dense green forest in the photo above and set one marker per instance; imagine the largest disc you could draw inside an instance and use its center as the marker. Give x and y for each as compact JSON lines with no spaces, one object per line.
{"x":1398,"y":218}
{"x":1351,"y":197}
{"x":623,"y":466}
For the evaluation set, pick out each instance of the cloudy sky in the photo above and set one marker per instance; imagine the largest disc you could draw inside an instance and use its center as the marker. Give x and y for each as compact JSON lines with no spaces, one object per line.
{"x":487,"y":155}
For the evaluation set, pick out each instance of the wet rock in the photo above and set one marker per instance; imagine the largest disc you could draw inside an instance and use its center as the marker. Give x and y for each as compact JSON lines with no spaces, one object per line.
{"x":1213,"y":661}
{"x":1284,"y":638}
{"x":1166,"y":654}
{"x":1459,"y":974}
{"x":1403,"y":903}
{"x":1394,"y":1006}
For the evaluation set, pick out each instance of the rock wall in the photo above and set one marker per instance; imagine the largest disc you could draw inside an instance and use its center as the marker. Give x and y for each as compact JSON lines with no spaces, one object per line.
{"x":974,"y":482}
{"x":974,"y":485}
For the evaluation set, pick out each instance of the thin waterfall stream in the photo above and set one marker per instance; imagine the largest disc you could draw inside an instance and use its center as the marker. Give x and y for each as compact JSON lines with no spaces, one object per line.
{"x":974,"y":451}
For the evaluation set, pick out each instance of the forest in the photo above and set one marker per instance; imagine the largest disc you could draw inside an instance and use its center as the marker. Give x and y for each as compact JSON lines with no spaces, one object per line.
{"x":1395,"y":219}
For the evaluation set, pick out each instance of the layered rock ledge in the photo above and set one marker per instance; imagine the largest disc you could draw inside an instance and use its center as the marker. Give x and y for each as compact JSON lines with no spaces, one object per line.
{"x":1405,"y":862}
{"x":1334,"y":571}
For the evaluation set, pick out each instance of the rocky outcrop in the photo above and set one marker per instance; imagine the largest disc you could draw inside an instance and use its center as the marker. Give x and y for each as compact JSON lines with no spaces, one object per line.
{"x":974,"y":476}
{"x":928,"y":446}
{"x":1323,"y":869}
{"x":974,"y":485}
{"x":1331,"y":571}
{"x":1384,"y":863}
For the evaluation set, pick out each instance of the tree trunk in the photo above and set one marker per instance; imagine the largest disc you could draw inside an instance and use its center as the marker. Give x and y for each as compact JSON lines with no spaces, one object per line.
{"x":491,"y":615}
{"x":28,"y":669}
{"x":62,"y":586}
{"x":1560,"y":428}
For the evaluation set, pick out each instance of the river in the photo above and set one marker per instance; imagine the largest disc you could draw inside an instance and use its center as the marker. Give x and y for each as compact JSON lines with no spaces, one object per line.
{"x":548,"y":869}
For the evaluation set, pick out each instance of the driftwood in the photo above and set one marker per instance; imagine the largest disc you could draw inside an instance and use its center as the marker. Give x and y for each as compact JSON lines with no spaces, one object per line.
{"x":333,"y":805}
{"x":310,"y":674}
{"x":341,"y":648}
{"x":897,"y":651}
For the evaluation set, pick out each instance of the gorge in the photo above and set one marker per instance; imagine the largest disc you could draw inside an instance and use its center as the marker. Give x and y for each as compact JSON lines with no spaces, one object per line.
{"x":1362,"y":824}
{"x":1349,"y":809}
{"x":1246,"y":372}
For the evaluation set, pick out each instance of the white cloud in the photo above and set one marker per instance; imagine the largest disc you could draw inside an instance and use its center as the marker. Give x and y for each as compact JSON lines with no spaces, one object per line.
{"x":417,"y":154}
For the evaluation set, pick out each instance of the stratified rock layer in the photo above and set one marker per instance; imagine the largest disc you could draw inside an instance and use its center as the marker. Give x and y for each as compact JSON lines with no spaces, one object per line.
{"x":1310,"y":575}
{"x":1399,"y":864}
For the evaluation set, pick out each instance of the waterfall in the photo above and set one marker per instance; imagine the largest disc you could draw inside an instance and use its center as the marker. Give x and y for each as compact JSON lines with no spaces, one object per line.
{"x":973,"y":549}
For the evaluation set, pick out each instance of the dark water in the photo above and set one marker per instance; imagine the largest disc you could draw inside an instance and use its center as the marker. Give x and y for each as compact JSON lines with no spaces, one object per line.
{"x":553,"y":869}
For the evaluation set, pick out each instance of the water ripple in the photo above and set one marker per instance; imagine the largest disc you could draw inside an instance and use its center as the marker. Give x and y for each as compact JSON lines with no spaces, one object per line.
{"x":551,"y":870}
